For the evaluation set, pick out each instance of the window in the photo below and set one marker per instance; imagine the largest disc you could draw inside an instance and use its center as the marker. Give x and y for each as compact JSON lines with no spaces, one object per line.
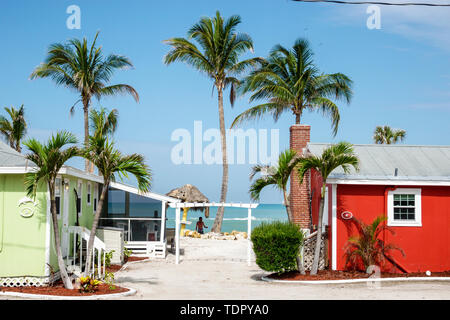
{"x":79,"y":197}
{"x":58,"y":189}
{"x":404,"y":207}
{"x":89,"y":193}
{"x":95,"y":197}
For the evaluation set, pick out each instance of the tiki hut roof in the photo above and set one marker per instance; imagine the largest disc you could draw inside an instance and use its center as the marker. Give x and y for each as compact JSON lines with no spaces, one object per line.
{"x":190,"y":193}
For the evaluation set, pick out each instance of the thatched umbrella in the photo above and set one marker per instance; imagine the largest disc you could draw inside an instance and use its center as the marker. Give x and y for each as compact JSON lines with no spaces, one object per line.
{"x":189,"y":193}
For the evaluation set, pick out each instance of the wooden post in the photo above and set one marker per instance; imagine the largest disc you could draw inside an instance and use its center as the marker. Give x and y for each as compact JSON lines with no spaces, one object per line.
{"x":249,"y":232}
{"x":177,"y":235}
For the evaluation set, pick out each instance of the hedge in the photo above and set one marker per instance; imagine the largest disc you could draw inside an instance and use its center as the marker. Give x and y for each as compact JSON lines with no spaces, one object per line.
{"x":277,"y":245}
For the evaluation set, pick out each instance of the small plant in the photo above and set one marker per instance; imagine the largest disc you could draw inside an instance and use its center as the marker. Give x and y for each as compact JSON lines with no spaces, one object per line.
{"x":366,"y":248}
{"x":109,"y":280}
{"x":88,"y":284}
{"x":126,"y":254}
{"x":277,"y":246}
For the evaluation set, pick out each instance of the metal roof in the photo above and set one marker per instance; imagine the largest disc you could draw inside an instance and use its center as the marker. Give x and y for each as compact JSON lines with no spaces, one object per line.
{"x":11,"y":158}
{"x":380,"y":161}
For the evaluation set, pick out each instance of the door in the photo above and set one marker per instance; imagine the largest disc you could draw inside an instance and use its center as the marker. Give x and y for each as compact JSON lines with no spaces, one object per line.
{"x":65,"y":220}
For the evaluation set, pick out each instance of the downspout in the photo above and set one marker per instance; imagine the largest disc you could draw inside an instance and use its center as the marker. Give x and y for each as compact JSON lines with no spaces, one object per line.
{"x":390,"y":259}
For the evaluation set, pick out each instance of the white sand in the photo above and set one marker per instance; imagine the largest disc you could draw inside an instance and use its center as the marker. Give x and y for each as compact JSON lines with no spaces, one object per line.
{"x":217,"y":269}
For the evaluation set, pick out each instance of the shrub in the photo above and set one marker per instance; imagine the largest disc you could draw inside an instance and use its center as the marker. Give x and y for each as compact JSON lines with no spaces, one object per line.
{"x":88,"y":284}
{"x":367,"y":248}
{"x":276,"y":246}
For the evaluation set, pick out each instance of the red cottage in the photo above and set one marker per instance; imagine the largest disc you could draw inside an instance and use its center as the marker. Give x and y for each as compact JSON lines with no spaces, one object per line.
{"x":410,"y":185}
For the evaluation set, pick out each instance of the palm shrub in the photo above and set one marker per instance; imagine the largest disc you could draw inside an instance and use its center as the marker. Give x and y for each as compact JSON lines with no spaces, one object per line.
{"x":367,"y":248}
{"x":276,"y":176}
{"x":276,"y":246}
{"x":340,"y":155}
{"x":49,"y":158}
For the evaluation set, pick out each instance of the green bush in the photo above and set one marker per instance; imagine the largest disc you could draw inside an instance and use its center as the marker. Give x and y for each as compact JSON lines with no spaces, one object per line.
{"x":277,"y":246}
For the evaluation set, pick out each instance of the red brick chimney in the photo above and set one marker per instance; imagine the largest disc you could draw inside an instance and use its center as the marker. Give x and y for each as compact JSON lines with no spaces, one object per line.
{"x":299,"y":194}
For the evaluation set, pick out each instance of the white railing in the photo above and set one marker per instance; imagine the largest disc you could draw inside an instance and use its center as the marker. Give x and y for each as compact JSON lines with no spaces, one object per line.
{"x":82,"y":234}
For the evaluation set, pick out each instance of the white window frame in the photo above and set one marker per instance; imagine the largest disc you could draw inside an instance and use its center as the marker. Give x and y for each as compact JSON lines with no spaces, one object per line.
{"x":80,"y":193}
{"x":88,"y":193}
{"x":417,"y":222}
{"x":95,"y":199}
{"x":60,"y":187}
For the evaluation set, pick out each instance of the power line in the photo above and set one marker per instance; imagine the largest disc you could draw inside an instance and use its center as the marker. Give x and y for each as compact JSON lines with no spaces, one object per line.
{"x":380,"y":3}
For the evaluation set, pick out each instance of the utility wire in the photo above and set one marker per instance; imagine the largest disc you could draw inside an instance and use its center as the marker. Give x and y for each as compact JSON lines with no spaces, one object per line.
{"x":379,"y":3}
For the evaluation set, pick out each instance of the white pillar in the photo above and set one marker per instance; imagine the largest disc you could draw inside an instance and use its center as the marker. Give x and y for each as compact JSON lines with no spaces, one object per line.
{"x":163,"y":222}
{"x":249,"y":233}
{"x":177,"y":235}
{"x":333,"y":226}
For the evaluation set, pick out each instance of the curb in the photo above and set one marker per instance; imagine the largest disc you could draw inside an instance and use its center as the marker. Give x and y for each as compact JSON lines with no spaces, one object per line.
{"x":132,"y":262}
{"x":130,"y":292}
{"x":318,"y":282}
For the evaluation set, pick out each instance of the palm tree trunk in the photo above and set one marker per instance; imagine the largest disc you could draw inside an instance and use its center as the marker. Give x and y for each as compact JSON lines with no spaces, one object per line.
{"x":297,"y":118}
{"x":87,"y":166}
{"x":217,"y":226}
{"x":62,"y":266}
{"x":287,"y":205}
{"x":90,"y":247}
{"x":315,"y":265}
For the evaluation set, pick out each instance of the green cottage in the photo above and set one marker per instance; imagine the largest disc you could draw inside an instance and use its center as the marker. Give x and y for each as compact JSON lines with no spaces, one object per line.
{"x":27,"y":252}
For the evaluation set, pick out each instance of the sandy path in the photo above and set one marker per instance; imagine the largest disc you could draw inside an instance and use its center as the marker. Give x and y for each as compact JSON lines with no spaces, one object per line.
{"x":217,"y":269}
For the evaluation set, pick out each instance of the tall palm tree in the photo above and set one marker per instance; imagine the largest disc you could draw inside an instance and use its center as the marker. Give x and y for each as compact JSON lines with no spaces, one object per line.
{"x":290,"y":81}
{"x":276,"y":176}
{"x":340,"y":155}
{"x":84,"y":69}
{"x":14,"y":131}
{"x":387,"y":135}
{"x":111,"y":162}
{"x":49,"y":159}
{"x":218,"y":58}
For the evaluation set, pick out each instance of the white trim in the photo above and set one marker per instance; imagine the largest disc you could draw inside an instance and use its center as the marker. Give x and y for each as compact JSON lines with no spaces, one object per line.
{"x":418,"y":208}
{"x":95,"y":198}
{"x":163,"y":221}
{"x":47,"y":236}
{"x":134,"y":190}
{"x":213,"y":204}
{"x":79,"y":189}
{"x":89,"y":193}
{"x":334,"y":226}
{"x":325,"y":209}
{"x":389,"y":182}
{"x":65,"y":220}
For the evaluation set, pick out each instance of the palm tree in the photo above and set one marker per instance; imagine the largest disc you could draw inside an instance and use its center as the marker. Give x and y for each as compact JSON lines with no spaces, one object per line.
{"x":84,"y":69}
{"x":14,"y":130}
{"x":289,"y":81}
{"x":218,"y":58}
{"x":111,"y":162}
{"x":275,"y":176}
{"x":49,"y":159}
{"x":387,"y":135}
{"x":340,"y":155}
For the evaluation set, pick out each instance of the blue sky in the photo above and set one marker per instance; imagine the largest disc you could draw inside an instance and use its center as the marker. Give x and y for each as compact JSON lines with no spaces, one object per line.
{"x":401,"y":74}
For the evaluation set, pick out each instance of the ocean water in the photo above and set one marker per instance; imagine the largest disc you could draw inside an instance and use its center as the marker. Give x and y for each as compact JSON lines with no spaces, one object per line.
{"x":234,"y":218}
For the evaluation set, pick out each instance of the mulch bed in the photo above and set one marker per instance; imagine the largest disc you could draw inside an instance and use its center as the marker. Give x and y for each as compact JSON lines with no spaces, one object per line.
{"x":348,"y":275}
{"x":59,"y":290}
{"x":131,"y":259}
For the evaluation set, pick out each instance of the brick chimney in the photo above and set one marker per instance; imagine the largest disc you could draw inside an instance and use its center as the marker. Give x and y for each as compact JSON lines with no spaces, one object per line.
{"x":299,"y":194}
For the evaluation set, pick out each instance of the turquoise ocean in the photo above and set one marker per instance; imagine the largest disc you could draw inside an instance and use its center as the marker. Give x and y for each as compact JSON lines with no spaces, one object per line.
{"x":234,"y":218}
